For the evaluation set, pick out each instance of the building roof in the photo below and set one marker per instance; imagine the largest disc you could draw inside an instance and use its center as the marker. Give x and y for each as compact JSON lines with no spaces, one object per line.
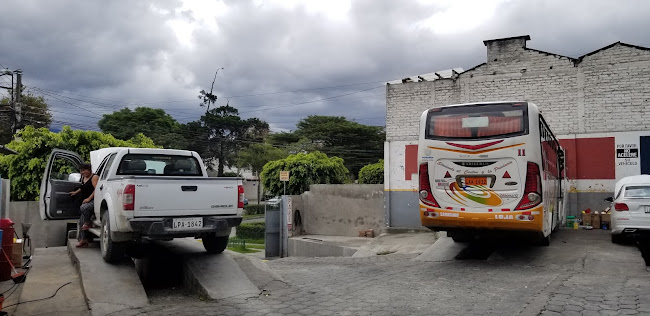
{"x":610,"y":46}
{"x":442,"y":74}
{"x":6,"y":151}
{"x":523,"y":37}
{"x":551,"y":54}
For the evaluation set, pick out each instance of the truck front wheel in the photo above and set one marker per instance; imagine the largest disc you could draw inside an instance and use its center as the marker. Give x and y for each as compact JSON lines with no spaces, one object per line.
{"x":215,"y":244}
{"x":111,"y":251}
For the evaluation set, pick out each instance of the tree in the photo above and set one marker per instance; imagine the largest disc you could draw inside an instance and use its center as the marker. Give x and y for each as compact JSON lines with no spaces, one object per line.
{"x":357,"y":144}
{"x":304,"y":170}
{"x":156,"y":124}
{"x":221,"y":133}
{"x":255,"y":156}
{"x":35,"y":145}
{"x":35,"y":112}
{"x":372,"y":173}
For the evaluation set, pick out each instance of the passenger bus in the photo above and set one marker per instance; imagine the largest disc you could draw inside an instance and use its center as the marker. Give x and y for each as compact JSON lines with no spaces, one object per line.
{"x":490,"y":167}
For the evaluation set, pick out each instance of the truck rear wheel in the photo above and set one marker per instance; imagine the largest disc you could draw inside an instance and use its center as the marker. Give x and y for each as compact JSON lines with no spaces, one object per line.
{"x":215,"y":244}
{"x":111,"y":251}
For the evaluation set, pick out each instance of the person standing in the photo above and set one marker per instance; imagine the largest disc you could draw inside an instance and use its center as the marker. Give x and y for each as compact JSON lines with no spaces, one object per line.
{"x":87,"y":208}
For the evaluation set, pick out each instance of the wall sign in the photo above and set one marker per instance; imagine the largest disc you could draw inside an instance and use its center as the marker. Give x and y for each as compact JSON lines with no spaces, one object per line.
{"x":627,"y":154}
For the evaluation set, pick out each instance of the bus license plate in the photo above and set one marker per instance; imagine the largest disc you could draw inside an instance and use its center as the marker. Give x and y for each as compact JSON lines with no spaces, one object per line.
{"x":187,"y":223}
{"x":476,"y":181}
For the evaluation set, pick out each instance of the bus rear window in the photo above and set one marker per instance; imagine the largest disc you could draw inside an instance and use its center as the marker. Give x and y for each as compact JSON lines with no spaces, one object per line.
{"x":159,"y":165}
{"x":477,"y":121}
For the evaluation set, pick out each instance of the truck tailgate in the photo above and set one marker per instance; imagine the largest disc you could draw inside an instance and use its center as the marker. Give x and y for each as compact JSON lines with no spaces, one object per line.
{"x":174,"y":196}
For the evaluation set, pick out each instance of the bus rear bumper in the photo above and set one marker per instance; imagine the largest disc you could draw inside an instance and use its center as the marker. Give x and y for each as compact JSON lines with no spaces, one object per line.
{"x":442,"y":220}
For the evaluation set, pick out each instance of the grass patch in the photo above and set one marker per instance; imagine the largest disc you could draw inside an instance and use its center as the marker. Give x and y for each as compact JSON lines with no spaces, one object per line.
{"x":243,"y":250}
{"x":242,"y":245}
{"x":255,"y":241}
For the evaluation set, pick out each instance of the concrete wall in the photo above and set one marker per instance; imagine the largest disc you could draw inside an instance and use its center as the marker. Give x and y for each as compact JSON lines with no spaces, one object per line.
{"x":250,"y":189}
{"x":596,"y":103}
{"x":341,"y":209}
{"x":43,"y":233}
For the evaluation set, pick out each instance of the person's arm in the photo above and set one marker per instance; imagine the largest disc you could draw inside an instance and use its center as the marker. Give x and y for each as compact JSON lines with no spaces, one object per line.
{"x":94,"y":180}
{"x":75,"y":192}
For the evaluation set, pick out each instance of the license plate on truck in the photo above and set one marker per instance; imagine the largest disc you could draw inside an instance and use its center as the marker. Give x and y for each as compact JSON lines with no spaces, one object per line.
{"x":187,"y":223}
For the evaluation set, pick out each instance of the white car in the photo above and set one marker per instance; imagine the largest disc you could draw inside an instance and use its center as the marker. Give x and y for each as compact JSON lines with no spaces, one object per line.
{"x":630,"y":208}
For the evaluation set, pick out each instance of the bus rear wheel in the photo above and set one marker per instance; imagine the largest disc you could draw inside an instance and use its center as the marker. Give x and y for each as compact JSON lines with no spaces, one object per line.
{"x":544,"y":241}
{"x":461,"y":236}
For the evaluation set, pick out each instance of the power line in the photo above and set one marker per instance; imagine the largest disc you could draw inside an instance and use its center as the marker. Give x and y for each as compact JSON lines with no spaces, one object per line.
{"x":193,"y":115}
{"x":225,"y":97}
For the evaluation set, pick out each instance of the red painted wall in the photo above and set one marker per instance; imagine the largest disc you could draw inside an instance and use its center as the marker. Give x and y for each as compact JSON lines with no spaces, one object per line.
{"x":410,"y":161}
{"x":590,"y":158}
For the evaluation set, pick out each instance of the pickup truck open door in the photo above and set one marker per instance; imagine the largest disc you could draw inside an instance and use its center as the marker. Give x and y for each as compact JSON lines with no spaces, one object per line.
{"x":60,"y":178}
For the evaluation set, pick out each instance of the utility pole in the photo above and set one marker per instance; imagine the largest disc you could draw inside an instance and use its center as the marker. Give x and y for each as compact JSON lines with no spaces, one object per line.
{"x":18,"y":107}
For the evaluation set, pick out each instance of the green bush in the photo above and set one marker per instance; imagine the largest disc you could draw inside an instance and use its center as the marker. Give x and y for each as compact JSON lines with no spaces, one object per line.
{"x":304,"y":170}
{"x":252,"y":209}
{"x":251,"y":230}
{"x":372,"y":173}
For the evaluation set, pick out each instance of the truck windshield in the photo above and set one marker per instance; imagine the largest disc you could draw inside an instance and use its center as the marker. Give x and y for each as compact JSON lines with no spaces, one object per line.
{"x":477,"y":121}
{"x":159,"y":165}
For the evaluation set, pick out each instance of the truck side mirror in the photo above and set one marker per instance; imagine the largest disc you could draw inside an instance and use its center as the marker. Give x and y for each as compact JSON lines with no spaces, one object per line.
{"x":609,"y":199}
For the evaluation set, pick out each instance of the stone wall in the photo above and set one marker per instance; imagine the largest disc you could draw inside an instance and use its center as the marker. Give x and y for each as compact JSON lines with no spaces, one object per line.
{"x":576,"y":95}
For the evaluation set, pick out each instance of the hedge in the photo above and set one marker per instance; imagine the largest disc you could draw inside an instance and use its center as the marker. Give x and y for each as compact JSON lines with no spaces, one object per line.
{"x":251,"y":230}
{"x":252,"y":209}
{"x":372,"y":173}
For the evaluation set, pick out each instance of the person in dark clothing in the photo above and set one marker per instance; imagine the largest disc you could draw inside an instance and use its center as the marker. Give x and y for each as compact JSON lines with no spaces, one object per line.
{"x":87,"y":193}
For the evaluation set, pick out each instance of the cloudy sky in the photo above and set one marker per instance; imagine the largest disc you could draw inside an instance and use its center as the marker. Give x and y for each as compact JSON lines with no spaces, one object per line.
{"x":282,"y":59}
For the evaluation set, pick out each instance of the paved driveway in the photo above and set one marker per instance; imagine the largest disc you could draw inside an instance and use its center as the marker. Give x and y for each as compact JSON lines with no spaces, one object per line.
{"x":581,"y":273}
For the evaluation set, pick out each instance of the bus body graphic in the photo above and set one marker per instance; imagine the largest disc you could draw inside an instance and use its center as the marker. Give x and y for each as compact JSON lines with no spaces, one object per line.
{"x":477,"y":194}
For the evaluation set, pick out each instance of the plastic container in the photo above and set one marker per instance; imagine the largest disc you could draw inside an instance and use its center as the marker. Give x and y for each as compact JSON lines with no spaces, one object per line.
{"x":7,"y":227}
{"x":570,"y":221}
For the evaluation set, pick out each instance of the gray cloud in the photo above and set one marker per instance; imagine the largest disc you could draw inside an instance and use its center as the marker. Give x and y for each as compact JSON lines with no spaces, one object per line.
{"x":123,"y":53}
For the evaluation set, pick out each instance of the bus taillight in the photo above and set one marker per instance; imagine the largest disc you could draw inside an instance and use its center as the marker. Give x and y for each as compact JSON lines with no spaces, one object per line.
{"x":533,"y":188}
{"x":426,"y":195}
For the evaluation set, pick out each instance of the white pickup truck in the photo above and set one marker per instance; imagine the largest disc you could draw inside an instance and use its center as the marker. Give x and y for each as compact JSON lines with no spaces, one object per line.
{"x":145,"y":193}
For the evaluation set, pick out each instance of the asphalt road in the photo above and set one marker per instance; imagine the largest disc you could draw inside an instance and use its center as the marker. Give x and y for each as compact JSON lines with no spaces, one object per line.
{"x":581,"y":273}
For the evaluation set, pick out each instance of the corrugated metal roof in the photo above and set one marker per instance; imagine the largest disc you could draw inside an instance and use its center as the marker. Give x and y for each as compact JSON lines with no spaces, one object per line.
{"x":442,"y":74}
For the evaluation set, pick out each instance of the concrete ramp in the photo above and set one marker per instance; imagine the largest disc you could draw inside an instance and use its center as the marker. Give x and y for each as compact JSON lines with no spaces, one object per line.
{"x":444,"y":249}
{"x":216,"y":276}
{"x":97,"y":277}
{"x":50,"y":269}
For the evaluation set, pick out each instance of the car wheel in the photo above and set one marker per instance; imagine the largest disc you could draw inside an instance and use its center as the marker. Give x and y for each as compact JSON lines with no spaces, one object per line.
{"x":215,"y":244}
{"x":111,"y":251}
{"x":617,"y":238}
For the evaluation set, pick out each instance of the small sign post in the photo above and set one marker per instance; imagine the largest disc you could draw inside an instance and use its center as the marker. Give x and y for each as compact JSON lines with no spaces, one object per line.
{"x":284,"y":177}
